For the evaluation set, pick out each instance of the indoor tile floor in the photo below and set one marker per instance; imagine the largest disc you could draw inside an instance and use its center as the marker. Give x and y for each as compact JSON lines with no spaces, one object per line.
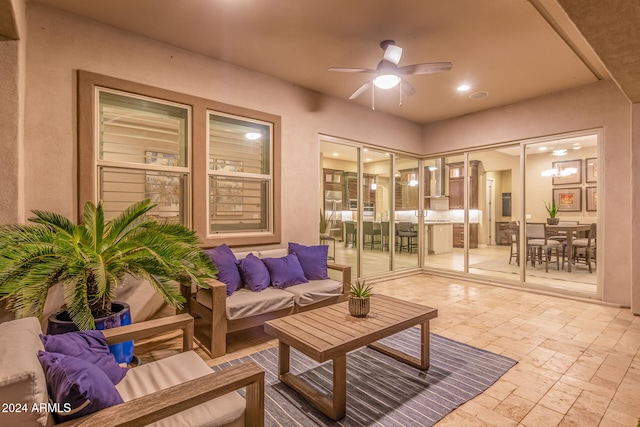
{"x":578,"y":362}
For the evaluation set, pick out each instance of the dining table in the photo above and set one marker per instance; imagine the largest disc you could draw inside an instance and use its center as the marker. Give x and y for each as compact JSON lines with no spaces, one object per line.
{"x":571,"y":230}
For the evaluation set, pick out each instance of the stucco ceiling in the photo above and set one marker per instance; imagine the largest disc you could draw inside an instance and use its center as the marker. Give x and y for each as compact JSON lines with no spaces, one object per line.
{"x":512,"y":49}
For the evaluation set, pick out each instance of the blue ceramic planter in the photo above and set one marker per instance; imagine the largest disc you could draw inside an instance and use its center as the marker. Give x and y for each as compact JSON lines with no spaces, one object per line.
{"x":60,"y":323}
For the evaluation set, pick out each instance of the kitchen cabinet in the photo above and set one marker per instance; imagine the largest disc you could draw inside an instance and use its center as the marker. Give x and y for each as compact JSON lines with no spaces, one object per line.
{"x":458,"y":236}
{"x":456,"y":199}
{"x":456,"y":184}
{"x":503,"y":234}
{"x":406,"y":195}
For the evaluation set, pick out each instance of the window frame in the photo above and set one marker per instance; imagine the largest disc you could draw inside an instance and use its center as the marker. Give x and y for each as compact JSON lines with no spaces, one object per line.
{"x":268,"y":177}
{"x":87,"y":153}
{"x":110,"y":164}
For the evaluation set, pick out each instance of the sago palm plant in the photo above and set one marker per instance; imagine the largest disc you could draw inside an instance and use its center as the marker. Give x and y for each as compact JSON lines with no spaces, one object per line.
{"x":90,"y":260}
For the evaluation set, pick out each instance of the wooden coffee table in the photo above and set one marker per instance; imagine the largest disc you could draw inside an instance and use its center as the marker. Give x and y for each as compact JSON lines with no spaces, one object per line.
{"x":329,"y":333}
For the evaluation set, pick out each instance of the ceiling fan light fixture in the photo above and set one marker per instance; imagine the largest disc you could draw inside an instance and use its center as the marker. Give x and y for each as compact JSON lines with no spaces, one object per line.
{"x":386,"y":81}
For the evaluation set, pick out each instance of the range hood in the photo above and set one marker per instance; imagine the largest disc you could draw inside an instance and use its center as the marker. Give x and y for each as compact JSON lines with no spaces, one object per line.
{"x":439,"y":176}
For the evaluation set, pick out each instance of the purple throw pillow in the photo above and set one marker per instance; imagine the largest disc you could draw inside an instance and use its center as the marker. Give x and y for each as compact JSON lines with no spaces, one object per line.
{"x":313,"y":260}
{"x":228,"y":272}
{"x":78,"y":386}
{"x":285,"y":271}
{"x":90,"y":346}
{"x":254,"y":273}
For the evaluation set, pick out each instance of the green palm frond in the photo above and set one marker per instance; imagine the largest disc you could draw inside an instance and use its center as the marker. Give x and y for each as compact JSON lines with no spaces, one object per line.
{"x":91,"y":259}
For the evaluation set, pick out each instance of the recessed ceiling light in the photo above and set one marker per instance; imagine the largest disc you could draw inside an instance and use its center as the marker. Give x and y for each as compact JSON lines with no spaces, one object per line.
{"x":367,"y":160}
{"x":252,"y":136}
{"x":577,"y":147}
{"x":560,"y":152}
{"x":463,"y":88}
{"x":542,"y":149}
{"x":335,"y":154}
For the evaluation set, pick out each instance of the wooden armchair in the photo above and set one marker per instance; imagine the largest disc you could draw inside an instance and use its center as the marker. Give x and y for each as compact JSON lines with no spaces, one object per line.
{"x":161,"y":404}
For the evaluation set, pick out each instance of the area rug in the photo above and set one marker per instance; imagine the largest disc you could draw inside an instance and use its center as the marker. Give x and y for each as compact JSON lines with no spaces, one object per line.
{"x":380,"y":390}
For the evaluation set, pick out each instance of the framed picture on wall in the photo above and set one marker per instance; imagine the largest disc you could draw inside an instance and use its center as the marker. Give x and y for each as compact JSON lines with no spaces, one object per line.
{"x":592,"y":199}
{"x":568,"y":199}
{"x":569,"y":172}
{"x":591,"y":165}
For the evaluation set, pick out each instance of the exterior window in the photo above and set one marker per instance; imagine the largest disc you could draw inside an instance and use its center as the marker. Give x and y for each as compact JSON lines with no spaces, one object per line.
{"x":240,"y":175}
{"x":143,"y":153}
{"x":211,"y":166}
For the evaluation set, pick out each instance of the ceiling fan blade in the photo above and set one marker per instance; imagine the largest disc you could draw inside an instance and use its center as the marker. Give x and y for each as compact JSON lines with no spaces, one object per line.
{"x":407,"y":89}
{"x":430,"y":68}
{"x":393,"y":54}
{"x":360,"y":90}
{"x":352,"y":70}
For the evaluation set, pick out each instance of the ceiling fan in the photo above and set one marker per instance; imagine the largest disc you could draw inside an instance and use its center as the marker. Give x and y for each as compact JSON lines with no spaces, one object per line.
{"x":388,"y":74}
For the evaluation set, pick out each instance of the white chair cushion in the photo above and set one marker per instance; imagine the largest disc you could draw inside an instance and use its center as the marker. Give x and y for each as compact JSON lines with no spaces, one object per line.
{"x":227,"y":410}
{"x":22,"y":379}
{"x":540,"y":242}
{"x":314,"y":291}
{"x":245,"y":303}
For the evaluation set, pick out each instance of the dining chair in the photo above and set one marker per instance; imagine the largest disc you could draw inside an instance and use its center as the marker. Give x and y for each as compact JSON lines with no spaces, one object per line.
{"x":514,"y":231}
{"x":585,"y":248}
{"x":561,"y":236}
{"x":350,"y":234}
{"x":368,"y":229}
{"x":385,"y":236}
{"x":539,"y":247}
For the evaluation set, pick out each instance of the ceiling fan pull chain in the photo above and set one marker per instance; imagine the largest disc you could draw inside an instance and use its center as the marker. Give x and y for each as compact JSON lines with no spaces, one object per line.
{"x":373,"y":97}
{"x":400,"y":91}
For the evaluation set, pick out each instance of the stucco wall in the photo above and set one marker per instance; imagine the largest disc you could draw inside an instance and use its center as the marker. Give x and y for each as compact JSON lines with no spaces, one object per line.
{"x":635,"y":220}
{"x":60,"y":43}
{"x":12,"y":65}
{"x":600,"y":105}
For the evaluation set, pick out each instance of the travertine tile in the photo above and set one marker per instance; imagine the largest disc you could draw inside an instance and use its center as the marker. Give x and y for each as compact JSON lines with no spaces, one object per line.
{"x":578,"y":362}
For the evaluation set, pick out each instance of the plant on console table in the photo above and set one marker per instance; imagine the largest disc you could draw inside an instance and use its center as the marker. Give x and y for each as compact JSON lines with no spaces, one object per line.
{"x":359,"y":298}
{"x":552,"y":209}
{"x":91,"y":259}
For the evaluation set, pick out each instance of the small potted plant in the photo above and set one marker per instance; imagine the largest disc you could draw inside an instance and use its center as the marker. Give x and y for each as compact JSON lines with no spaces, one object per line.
{"x":359,"y":303}
{"x":552,"y":208}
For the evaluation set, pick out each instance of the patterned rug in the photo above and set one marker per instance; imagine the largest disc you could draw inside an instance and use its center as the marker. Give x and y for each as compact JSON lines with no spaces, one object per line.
{"x":380,"y":390}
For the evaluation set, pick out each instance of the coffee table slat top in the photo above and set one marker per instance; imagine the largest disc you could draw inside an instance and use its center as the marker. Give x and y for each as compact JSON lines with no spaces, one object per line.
{"x":331,"y":331}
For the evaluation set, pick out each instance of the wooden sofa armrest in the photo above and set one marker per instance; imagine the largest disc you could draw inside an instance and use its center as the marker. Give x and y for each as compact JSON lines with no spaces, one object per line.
{"x":216,"y":317}
{"x":172,"y":400}
{"x":152,"y":328}
{"x":346,"y":275}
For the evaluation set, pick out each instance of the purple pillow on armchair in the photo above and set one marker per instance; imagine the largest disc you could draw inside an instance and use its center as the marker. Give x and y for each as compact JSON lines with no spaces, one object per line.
{"x":90,"y":346}
{"x":313,"y":260}
{"x":78,"y":386}
{"x":254,"y":273}
{"x":285,"y":271}
{"x":228,"y":272}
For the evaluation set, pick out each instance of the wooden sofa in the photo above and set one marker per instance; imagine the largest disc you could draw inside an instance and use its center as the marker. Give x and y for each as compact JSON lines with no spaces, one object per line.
{"x":213,"y":319}
{"x":178,"y":390}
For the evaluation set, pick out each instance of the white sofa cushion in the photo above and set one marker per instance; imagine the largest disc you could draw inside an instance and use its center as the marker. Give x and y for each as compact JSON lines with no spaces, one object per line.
{"x":245,"y":303}
{"x":227,"y":410}
{"x":22,"y":379}
{"x":314,"y":291}
{"x":273,"y":253}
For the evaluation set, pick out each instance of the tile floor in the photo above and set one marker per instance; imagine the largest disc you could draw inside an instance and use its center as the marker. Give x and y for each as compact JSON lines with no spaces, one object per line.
{"x":578,"y":362}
